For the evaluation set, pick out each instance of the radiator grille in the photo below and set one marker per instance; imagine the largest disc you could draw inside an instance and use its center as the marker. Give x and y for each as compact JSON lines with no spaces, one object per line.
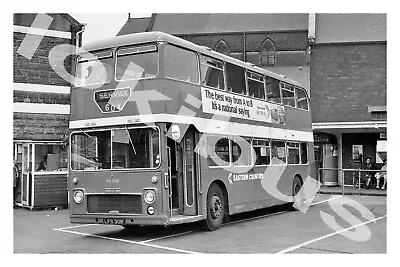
{"x":121,"y":203}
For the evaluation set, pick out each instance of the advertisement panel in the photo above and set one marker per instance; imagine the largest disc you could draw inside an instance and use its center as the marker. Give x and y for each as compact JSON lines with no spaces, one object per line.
{"x":227,"y":104}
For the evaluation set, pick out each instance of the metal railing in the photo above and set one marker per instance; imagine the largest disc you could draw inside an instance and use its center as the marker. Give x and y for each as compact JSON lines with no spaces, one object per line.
{"x":356,"y":176}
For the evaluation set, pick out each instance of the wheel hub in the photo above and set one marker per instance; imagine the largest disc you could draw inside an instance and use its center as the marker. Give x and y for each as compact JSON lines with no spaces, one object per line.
{"x":215,"y":207}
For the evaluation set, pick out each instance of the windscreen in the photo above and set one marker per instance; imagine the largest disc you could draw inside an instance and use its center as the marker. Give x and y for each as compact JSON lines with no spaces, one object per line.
{"x":125,"y":148}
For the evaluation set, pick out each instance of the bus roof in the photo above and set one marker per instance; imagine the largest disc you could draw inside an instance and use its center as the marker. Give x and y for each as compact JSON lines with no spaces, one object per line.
{"x":146,"y":37}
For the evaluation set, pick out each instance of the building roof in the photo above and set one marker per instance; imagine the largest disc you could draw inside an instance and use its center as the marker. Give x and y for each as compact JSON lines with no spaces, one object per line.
{"x":70,"y":19}
{"x":134,"y":25}
{"x":347,"y":28}
{"x":187,"y":23}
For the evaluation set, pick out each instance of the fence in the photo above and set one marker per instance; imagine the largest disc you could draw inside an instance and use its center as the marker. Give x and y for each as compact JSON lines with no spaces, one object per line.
{"x":351,"y":178}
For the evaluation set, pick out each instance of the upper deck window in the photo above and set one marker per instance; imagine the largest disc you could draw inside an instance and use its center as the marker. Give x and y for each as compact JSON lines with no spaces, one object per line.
{"x":288,"y":95}
{"x":212,"y":73}
{"x":135,"y":62}
{"x":181,"y":64}
{"x":94,"y":68}
{"x":273,"y":90}
{"x":255,"y":83}
{"x":235,"y":79}
{"x":301,"y":99}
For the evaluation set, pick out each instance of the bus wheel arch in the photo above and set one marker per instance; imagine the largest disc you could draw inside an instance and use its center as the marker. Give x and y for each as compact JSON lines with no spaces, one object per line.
{"x":297,"y":184}
{"x":217,"y":208}
{"x":296,"y":187}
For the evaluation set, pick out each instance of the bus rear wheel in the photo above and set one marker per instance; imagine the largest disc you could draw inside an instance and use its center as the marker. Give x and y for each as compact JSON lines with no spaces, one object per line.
{"x":298,"y":197}
{"x":215,"y":208}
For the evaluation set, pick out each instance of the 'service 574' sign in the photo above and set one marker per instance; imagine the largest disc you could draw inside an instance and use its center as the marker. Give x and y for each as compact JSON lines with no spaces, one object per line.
{"x":226,"y":104}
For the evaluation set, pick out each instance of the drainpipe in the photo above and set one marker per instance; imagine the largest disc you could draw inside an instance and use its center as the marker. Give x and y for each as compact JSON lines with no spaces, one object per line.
{"x":311,"y":32}
{"x":244,"y":47}
{"x":77,"y":43}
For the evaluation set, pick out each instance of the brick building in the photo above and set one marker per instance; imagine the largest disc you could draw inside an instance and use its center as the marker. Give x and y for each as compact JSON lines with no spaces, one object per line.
{"x":41,"y":106}
{"x":339,"y":58}
{"x":348,"y":90}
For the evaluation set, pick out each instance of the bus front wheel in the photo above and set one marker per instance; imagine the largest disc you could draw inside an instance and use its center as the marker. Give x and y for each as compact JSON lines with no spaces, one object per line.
{"x":215,"y":208}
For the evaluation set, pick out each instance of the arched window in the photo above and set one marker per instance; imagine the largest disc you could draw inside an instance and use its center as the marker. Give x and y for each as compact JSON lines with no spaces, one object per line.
{"x":222,"y":47}
{"x":267,"y":53}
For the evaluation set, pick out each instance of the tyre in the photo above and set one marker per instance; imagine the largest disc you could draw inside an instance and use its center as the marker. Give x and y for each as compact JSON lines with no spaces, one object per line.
{"x":298,"y":198}
{"x":215,"y":208}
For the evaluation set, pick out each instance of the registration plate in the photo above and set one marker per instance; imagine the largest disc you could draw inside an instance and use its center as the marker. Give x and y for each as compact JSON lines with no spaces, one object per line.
{"x":114,"y":221}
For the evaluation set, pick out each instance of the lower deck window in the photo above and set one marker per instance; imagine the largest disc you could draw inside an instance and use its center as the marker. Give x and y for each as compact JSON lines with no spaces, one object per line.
{"x":217,"y":147}
{"x":304,"y":155}
{"x":293,"y":153}
{"x":241,"y":152}
{"x":262,"y":152}
{"x":278,"y":150}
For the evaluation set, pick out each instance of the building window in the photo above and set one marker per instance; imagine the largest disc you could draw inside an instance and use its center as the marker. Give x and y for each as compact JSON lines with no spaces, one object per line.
{"x":378,"y":113}
{"x":222,"y":47}
{"x":379,"y":116}
{"x":50,"y":157}
{"x":267,"y":53}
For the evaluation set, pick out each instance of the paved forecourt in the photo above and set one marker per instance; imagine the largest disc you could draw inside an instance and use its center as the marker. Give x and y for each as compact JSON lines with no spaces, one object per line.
{"x":273,"y":230}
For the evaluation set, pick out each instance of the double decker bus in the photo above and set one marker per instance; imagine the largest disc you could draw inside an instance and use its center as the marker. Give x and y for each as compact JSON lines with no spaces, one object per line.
{"x":164,"y":131}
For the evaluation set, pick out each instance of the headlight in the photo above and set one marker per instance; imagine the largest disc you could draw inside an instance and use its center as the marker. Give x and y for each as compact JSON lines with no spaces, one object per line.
{"x":149,"y":196}
{"x":78,"y":196}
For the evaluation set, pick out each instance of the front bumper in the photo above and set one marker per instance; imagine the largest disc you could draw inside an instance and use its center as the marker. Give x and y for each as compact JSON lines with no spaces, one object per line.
{"x":129,"y":220}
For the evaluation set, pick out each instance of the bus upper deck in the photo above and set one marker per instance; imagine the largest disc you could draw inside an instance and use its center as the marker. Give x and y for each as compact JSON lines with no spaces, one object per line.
{"x":155,"y":74}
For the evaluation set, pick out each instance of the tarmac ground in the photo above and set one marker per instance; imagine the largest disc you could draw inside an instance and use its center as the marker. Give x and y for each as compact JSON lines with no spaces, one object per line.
{"x":271,"y":230}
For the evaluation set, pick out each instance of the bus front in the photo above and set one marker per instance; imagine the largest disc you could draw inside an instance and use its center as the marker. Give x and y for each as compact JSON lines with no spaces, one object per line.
{"x":116,"y":171}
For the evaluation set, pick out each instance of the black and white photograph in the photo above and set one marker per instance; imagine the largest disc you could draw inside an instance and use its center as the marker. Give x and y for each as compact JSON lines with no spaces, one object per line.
{"x":200,"y":132}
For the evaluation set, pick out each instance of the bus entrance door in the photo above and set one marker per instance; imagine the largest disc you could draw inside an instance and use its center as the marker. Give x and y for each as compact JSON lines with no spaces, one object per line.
{"x":183,"y":176}
{"x":189,"y":174}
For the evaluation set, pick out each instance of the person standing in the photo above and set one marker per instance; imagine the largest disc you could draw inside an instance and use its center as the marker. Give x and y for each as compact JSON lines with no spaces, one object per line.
{"x":369,"y":166}
{"x":15,"y":182}
{"x":381,"y":174}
